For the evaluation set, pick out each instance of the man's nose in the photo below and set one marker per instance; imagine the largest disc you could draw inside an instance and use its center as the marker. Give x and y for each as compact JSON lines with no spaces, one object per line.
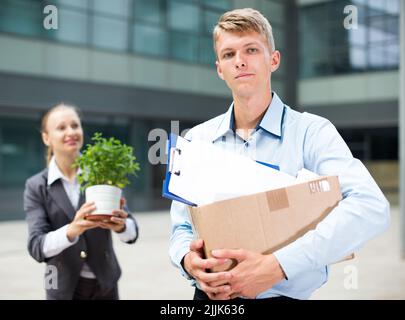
{"x":240,"y":61}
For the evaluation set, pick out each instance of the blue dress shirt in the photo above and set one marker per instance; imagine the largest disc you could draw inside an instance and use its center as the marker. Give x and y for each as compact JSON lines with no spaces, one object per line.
{"x":292,"y":141}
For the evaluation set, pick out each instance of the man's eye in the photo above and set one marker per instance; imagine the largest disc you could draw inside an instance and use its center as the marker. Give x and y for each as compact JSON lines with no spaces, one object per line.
{"x":227,"y":55}
{"x":252,"y":50}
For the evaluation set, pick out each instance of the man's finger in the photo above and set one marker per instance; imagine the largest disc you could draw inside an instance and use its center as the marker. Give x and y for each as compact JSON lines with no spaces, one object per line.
{"x":219,"y":282}
{"x":196,"y":245}
{"x":234,"y":295}
{"x":237,"y":254}
{"x":223,"y":277}
{"x":216,"y":290}
{"x":210,"y":262}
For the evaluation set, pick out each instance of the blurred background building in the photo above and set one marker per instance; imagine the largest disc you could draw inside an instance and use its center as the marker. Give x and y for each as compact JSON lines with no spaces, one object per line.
{"x":133,"y":66}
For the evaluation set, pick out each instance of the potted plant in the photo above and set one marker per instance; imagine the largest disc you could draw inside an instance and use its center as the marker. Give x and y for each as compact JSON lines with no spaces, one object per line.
{"x":105,"y":167}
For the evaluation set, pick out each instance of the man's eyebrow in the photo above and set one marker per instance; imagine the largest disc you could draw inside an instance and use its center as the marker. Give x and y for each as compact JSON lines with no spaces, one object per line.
{"x":250,"y":43}
{"x":226,"y":49}
{"x":245,"y":45}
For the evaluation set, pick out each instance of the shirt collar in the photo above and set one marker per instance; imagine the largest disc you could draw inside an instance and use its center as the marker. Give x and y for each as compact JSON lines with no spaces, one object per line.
{"x":227,"y":124}
{"x":273,"y":118}
{"x":54,"y":172}
{"x":271,"y":121}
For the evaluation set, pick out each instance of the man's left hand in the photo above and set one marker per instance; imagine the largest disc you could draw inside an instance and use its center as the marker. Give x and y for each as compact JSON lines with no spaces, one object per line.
{"x":254,"y":274}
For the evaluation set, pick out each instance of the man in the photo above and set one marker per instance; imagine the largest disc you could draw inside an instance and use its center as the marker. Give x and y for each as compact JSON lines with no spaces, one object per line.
{"x":259,"y":124}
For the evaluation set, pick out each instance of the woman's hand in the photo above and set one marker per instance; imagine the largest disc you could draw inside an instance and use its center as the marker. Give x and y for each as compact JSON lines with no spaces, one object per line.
{"x":117,"y":222}
{"x":79,"y":223}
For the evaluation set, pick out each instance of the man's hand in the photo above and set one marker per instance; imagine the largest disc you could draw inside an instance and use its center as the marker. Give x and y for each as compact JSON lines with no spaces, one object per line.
{"x":254,"y":273}
{"x":196,"y":266}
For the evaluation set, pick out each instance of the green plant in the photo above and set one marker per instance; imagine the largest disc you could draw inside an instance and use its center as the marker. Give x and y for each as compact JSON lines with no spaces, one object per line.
{"x":106,"y":161}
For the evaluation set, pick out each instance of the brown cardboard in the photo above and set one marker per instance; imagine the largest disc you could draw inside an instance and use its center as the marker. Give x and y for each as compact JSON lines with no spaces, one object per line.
{"x":266,"y":221}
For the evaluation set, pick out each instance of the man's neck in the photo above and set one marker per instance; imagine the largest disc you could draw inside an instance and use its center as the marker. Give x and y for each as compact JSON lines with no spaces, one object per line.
{"x":248,"y":111}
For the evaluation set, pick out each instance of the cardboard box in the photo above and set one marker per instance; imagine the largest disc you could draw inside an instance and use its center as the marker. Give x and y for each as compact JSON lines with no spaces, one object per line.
{"x":266,"y":221}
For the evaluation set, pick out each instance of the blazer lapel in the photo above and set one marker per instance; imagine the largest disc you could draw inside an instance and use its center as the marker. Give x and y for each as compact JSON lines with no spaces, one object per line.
{"x":82,"y":199}
{"x":58,"y":194}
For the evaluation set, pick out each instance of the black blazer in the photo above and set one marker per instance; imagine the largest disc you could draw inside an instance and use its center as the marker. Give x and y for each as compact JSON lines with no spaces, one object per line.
{"x":47,"y":209}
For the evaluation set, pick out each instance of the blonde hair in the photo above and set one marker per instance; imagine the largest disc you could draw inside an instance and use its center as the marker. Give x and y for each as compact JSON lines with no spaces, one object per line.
{"x":244,"y":21}
{"x":44,"y":123}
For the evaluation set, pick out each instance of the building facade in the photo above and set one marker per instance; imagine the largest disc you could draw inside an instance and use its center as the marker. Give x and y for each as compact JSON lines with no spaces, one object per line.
{"x":133,"y":66}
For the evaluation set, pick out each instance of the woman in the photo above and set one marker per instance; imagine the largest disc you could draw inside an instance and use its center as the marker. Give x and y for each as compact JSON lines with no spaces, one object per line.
{"x":81,"y":263}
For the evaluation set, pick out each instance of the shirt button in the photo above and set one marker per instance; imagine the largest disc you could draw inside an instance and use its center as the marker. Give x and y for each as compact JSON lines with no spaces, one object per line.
{"x":83,"y":254}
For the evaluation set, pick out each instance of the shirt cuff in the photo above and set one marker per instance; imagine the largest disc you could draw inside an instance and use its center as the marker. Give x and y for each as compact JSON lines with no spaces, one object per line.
{"x":293,"y":260}
{"x":130,"y":231}
{"x":183,"y":271}
{"x":57,"y":241}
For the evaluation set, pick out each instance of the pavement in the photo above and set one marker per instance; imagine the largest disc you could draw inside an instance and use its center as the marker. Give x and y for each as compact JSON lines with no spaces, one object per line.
{"x":377,"y":272}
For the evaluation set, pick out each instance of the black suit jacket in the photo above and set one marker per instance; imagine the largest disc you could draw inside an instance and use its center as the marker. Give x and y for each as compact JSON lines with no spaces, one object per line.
{"x":48,"y":208}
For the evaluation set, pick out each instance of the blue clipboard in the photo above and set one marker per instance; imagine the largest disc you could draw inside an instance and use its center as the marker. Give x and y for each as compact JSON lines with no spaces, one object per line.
{"x":165,"y":188}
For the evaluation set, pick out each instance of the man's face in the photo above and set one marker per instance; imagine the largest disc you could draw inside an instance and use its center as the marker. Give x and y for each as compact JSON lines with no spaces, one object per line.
{"x":245,"y":62}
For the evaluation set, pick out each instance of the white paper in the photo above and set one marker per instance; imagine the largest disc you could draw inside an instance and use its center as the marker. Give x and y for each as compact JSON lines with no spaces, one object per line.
{"x":305,"y":175}
{"x":208,"y":173}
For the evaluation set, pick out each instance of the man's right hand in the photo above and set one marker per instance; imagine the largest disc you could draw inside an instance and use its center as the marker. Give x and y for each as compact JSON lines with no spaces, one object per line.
{"x":213,"y":284}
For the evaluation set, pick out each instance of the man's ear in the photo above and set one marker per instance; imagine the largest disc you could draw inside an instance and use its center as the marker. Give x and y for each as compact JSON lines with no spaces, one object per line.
{"x":45,"y":138}
{"x":219,"y":70}
{"x":275,"y":60}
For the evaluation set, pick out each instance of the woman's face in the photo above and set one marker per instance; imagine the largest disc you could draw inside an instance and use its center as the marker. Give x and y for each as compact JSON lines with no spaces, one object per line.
{"x":64,"y":133}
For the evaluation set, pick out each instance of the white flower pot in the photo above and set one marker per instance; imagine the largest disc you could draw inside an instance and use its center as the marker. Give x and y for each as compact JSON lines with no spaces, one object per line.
{"x":106,"y":198}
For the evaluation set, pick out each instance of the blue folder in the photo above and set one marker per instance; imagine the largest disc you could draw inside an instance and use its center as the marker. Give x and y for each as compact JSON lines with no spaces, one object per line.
{"x":165,"y":188}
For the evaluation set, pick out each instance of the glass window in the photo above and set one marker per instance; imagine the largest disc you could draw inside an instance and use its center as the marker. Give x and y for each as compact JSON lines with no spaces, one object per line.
{"x":21,"y":151}
{"x":150,"y":40}
{"x":21,"y":17}
{"x":184,"y":46}
{"x":210,"y":20}
{"x":392,"y":57}
{"x":207,"y":54}
{"x":392,"y":6}
{"x":110,"y":33}
{"x":149,"y":11}
{"x":334,"y":49}
{"x":72,"y":27}
{"x":116,"y":7}
{"x":358,"y":58}
{"x":83,"y":4}
{"x":183,"y":16}
{"x":274,"y":12}
{"x":376,"y":57}
{"x":220,"y":4}
{"x":358,"y":36}
{"x":278,"y":35}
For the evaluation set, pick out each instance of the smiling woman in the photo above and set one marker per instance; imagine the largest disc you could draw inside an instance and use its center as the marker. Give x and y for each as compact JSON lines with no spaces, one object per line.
{"x":79,"y":252}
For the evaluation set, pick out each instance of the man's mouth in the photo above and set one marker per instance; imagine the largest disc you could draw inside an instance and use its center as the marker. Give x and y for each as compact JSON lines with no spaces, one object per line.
{"x":243,"y":75}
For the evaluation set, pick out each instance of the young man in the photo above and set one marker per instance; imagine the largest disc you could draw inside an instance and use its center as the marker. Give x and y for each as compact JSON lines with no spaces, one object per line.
{"x":257,"y":118}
